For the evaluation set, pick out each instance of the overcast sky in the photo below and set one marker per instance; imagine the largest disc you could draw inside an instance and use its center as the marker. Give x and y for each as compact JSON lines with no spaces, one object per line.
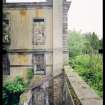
{"x":84,"y":15}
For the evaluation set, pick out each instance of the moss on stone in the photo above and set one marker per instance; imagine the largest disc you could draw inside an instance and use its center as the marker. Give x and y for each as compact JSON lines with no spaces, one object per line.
{"x":23,"y":98}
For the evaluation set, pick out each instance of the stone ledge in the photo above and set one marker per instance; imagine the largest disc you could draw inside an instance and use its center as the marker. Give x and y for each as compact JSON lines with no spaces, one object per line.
{"x":25,"y":98}
{"x":84,"y":93}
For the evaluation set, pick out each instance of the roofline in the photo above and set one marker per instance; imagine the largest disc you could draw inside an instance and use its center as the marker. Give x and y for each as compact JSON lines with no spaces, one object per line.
{"x":31,"y":4}
{"x":48,"y":3}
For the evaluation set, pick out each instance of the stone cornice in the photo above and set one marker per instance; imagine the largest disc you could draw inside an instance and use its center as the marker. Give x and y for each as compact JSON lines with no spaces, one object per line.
{"x":28,"y":5}
{"x":67,"y":5}
{"x":49,"y":3}
{"x":34,"y":50}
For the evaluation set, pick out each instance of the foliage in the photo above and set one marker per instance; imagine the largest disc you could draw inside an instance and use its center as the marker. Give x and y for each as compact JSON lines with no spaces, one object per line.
{"x":85,"y":59}
{"x":87,"y":43}
{"x":15,"y":86}
{"x":91,"y":69}
{"x":30,"y":74}
{"x":75,"y":43}
{"x":87,"y":49}
{"x":93,"y":40}
{"x":12,"y":91}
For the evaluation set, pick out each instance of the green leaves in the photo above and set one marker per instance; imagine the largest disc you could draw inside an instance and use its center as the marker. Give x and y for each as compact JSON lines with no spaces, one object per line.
{"x":30,"y":74}
{"x":16,"y":86}
{"x":75,"y":43}
{"x":90,"y":68}
{"x":84,"y":58}
{"x":87,"y":43}
{"x":12,"y":91}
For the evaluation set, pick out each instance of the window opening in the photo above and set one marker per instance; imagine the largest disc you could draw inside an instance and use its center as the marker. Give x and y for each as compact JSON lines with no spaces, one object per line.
{"x":38,"y":32}
{"x":39,"y":63}
{"x":6,"y":64}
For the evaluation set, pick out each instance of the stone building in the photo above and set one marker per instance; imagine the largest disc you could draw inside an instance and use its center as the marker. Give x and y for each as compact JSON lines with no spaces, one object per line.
{"x":38,"y":33}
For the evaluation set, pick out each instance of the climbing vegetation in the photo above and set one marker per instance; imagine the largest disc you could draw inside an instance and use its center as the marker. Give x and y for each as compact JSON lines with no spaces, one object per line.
{"x":29,"y":74}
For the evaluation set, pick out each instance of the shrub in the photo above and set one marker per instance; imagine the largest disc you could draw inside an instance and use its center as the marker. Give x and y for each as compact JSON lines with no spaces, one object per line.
{"x":12,"y":91}
{"x":90,"y":69}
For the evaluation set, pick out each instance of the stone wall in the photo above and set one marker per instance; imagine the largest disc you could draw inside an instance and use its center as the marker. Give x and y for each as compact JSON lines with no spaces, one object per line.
{"x":81,"y":93}
{"x":21,"y":49}
{"x":59,"y":46}
{"x":21,"y":31}
{"x":57,"y":49}
{"x":66,"y":7}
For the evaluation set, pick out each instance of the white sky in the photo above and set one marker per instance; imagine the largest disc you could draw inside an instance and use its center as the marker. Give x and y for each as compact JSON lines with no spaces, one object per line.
{"x":84,"y":15}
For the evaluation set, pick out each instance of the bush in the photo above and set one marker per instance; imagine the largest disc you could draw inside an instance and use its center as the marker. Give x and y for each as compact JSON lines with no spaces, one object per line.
{"x":12,"y":91}
{"x":90,"y":68}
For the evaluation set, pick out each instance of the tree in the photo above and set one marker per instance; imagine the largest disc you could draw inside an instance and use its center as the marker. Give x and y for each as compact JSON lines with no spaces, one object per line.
{"x":75,"y":43}
{"x":87,"y":49}
{"x":94,"y":41}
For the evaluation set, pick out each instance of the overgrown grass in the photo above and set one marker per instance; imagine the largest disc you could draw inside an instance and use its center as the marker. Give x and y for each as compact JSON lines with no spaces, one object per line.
{"x":90,"y":68}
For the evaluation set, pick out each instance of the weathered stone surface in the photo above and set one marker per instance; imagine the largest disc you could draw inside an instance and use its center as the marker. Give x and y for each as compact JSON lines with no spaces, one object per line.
{"x":22,"y":48}
{"x":92,"y":102}
{"x":83,"y":92}
{"x":25,"y":98}
{"x":58,"y":91}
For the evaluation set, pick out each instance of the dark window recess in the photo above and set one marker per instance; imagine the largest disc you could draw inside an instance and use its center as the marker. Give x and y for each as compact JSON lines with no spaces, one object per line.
{"x":6,"y":64}
{"x":39,"y":64}
{"x":6,"y":21}
{"x":100,"y":51}
{"x":38,"y":20}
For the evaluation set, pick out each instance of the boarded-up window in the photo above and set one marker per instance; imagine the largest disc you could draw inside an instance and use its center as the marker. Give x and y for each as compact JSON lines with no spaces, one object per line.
{"x":39,"y":63}
{"x":38,"y":32}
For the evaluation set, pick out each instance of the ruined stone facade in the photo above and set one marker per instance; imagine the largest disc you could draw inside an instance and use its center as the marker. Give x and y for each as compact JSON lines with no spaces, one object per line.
{"x":38,"y":33}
